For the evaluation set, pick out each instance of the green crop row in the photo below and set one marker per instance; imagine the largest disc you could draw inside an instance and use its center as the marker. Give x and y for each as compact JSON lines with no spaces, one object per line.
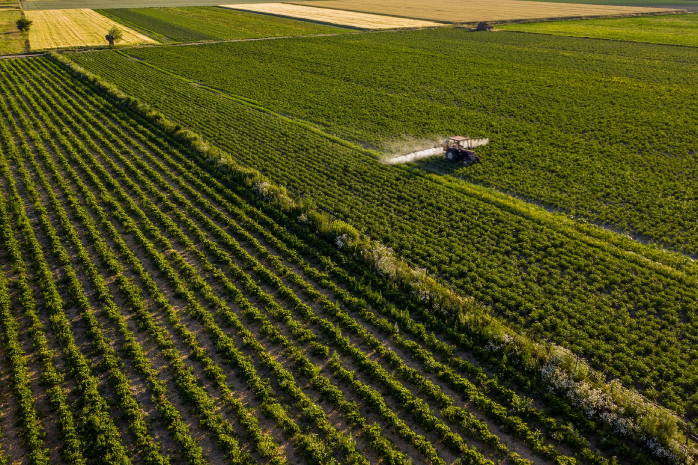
{"x":17,"y":361}
{"x":185,"y":210}
{"x":150,"y":228}
{"x":95,"y":424}
{"x":308,"y":442}
{"x":180,"y":372}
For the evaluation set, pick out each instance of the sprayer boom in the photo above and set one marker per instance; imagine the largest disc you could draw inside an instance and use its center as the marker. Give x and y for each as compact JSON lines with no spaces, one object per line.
{"x":456,"y":148}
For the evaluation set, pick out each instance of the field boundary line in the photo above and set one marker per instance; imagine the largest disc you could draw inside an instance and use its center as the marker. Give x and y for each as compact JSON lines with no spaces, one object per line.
{"x":673,"y":264}
{"x":23,"y":55}
{"x":101,"y":48}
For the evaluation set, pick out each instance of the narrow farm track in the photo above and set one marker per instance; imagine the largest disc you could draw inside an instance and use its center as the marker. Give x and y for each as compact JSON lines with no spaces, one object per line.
{"x":194,"y":328}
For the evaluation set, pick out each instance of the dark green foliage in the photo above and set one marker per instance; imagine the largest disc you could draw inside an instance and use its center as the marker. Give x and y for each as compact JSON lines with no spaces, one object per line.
{"x":24,"y":24}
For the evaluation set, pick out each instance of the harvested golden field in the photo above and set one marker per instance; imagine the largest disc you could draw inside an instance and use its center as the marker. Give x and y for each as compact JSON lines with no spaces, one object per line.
{"x":458,"y":11}
{"x":339,"y":17}
{"x":73,"y":28}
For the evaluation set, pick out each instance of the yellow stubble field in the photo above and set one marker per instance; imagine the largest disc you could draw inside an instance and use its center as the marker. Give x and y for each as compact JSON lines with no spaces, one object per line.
{"x":470,"y":11}
{"x":74,"y":28}
{"x":337,"y":17}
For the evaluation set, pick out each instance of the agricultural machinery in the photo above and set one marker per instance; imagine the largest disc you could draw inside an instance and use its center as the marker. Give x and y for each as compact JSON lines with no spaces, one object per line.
{"x":457,"y":149}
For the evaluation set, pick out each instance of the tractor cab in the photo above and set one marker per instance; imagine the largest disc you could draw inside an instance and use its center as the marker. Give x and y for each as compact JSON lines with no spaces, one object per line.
{"x":457,"y":142}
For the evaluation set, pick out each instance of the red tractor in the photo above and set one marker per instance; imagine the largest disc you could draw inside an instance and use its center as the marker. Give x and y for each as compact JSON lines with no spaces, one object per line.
{"x":457,"y":149}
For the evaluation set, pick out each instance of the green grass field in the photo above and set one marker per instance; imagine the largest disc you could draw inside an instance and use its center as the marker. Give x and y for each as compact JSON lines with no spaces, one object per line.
{"x":669,"y":29}
{"x":211,"y":23}
{"x":11,"y":41}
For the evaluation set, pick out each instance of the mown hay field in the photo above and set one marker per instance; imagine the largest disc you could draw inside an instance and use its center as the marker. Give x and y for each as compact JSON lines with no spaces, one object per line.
{"x":75,"y":28}
{"x":327,"y":15}
{"x":480,"y":10}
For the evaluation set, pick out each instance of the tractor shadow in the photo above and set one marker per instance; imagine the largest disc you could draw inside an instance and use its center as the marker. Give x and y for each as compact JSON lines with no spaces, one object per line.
{"x":441,"y":166}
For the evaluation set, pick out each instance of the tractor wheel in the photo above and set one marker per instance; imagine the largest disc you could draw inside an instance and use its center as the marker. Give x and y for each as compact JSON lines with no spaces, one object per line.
{"x":452,"y":155}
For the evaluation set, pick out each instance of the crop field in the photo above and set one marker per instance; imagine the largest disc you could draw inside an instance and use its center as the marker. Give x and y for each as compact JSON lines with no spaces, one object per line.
{"x":550,"y":143}
{"x":11,"y":41}
{"x":170,"y":319}
{"x":670,"y":29}
{"x":600,"y":300}
{"x":473,"y":11}
{"x":338,"y":17}
{"x":210,"y":23}
{"x":205,"y":257}
{"x":74,"y":28}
